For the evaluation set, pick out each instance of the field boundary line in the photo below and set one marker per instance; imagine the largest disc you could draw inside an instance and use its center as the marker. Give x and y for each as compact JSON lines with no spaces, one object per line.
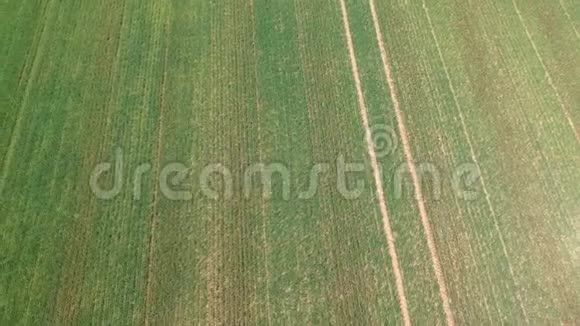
{"x":266,"y":248}
{"x":154,"y":213}
{"x":412,"y":169}
{"x":375,"y":167}
{"x":569,"y":19}
{"x":16,"y":132}
{"x":474,"y":158}
{"x":548,"y":76}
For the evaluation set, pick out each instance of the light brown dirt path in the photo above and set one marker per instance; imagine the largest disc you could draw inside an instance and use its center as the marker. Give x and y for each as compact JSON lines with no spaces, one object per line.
{"x":413,"y":171}
{"x":375,"y":167}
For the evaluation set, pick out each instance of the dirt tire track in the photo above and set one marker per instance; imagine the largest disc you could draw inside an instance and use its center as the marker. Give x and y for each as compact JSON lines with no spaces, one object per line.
{"x":403,"y":134}
{"x":375,"y":168}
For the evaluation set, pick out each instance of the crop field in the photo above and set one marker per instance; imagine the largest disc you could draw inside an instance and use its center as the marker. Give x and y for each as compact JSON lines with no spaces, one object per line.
{"x":289,"y":162}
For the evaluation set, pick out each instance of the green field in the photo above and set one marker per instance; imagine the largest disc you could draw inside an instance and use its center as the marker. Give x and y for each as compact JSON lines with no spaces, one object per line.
{"x":216,"y":118}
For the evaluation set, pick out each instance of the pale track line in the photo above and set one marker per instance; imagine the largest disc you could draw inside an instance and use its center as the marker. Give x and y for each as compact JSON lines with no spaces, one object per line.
{"x":154,"y":214}
{"x":526,"y":118}
{"x":26,"y":61}
{"x":548,"y":76}
{"x":446,"y":149}
{"x":569,"y":19}
{"x":10,"y":49}
{"x":474,"y":158}
{"x":35,"y":269}
{"x":412,"y":169}
{"x":16,"y":133}
{"x":260,"y":142}
{"x":375,"y":167}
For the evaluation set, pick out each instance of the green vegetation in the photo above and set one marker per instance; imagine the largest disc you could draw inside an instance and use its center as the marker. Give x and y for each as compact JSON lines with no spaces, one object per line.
{"x":490,"y":87}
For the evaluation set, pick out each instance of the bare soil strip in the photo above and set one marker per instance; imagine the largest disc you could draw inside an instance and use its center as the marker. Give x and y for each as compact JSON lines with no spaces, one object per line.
{"x":548,"y":76}
{"x":474,"y":158}
{"x":375,"y":167}
{"x":412,"y":169}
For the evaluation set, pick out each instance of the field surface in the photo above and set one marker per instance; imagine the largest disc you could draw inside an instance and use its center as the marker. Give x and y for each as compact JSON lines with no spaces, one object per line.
{"x":289,"y":162}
